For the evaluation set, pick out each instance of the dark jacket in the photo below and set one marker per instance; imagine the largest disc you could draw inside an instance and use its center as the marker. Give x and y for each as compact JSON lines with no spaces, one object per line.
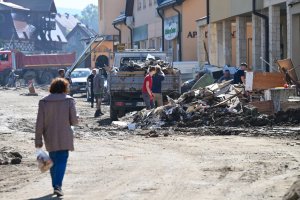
{"x":56,"y":115}
{"x":157,"y":79}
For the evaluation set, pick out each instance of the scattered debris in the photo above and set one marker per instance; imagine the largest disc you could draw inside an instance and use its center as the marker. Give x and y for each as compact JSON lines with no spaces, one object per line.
{"x":9,"y":156}
{"x":294,"y":192}
{"x":215,"y":105}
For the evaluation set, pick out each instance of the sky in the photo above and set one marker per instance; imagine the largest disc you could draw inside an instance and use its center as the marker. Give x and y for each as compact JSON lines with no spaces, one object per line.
{"x":74,"y":4}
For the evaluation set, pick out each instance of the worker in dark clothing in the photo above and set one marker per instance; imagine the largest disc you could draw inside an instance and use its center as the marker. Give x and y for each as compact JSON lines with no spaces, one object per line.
{"x":90,"y":80}
{"x":157,"y":79}
{"x":239,"y":76}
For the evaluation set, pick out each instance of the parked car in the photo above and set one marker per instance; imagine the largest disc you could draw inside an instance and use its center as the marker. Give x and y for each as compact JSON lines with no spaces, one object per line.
{"x":79,"y":81}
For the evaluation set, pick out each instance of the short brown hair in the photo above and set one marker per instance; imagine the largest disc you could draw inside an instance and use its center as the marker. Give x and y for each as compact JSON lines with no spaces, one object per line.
{"x":158,"y":69}
{"x":58,"y":86}
{"x":152,"y":68}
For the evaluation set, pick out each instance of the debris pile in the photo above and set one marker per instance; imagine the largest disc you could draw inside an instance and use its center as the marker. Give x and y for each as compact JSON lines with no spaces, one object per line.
{"x":215,"y":105}
{"x":9,"y":156}
{"x":131,"y":66}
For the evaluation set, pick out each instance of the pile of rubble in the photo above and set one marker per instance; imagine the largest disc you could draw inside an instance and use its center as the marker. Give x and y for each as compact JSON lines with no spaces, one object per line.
{"x":216,"y":105}
{"x":9,"y":156}
{"x":144,"y":66}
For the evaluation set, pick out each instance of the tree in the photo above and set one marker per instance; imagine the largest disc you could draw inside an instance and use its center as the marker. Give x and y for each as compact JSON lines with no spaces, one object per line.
{"x":89,"y":17}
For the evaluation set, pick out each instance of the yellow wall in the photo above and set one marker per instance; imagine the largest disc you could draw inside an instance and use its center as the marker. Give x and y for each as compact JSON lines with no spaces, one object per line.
{"x":106,"y":48}
{"x":191,"y":11}
{"x":109,"y":10}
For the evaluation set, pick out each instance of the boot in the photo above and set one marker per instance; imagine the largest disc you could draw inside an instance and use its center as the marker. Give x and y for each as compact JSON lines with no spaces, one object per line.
{"x":97,"y":113}
{"x":101,"y":113}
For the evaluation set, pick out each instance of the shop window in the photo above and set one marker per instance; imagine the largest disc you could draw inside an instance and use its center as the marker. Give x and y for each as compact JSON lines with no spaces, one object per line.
{"x":144,"y":4}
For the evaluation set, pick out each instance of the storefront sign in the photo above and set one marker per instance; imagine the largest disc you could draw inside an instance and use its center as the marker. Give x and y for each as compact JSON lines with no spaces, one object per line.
{"x":192,"y":34}
{"x":171,"y":28}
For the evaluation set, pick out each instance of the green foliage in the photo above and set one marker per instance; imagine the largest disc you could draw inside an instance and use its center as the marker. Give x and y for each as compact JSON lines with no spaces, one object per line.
{"x":89,"y":17}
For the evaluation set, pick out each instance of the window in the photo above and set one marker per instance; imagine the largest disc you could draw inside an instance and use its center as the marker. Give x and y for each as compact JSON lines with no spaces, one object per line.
{"x":144,"y":4}
{"x":4,"y":57}
{"x":150,"y":3}
{"x":139,"y":5}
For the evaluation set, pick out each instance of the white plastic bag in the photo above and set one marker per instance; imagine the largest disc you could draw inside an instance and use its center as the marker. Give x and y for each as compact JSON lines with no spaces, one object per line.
{"x":44,"y":161}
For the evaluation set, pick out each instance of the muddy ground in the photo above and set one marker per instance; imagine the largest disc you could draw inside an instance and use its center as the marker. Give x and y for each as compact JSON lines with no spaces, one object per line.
{"x":112,"y":163}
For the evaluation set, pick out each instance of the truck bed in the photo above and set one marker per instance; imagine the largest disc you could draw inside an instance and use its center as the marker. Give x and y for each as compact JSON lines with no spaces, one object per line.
{"x":44,"y":60}
{"x":133,"y":82}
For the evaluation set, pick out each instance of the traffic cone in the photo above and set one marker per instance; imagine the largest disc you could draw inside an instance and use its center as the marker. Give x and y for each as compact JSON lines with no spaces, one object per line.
{"x":31,"y":88}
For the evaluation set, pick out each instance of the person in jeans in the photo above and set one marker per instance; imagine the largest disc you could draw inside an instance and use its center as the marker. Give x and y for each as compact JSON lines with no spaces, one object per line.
{"x":56,"y":115}
{"x":147,"y":89}
{"x":156,"y":86}
{"x":98,"y":88}
{"x":90,"y":79}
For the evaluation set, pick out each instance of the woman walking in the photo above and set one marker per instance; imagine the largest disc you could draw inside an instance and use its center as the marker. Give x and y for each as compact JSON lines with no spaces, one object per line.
{"x":56,"y":115}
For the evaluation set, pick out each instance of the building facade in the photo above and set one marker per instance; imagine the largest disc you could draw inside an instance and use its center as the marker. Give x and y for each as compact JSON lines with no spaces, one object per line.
{"x":30,"y":26}
{"x":108,"y":11}
{"x":255,"y":31}
{"x":167,"y":25}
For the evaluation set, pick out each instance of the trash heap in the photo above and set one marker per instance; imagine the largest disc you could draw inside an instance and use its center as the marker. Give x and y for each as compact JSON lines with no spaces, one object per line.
{"x":9,"y":156}
{"x":215,"y":105}
{"x":144,"y":66}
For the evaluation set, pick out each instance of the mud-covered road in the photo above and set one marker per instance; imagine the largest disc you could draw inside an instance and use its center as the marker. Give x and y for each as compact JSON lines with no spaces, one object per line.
{"x":111,"y":163}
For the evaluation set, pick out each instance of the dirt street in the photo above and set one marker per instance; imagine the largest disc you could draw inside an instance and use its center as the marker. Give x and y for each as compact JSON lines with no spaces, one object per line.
{"x":110,"y":163}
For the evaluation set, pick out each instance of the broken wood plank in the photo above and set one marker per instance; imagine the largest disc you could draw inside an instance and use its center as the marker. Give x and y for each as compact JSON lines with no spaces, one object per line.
{"x":267,"y":80}
{"x":287,"y":105}
{"x":289,"y":66}
{"x":264,"y":107}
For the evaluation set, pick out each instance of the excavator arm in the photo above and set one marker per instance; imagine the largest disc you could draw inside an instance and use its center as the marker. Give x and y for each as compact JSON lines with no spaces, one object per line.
{"x":98,"y":40}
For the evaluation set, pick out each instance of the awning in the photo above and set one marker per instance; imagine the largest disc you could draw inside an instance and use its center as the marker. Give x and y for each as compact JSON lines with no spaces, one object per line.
{"x":120,"y":19}
{"x":168,"y":3}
